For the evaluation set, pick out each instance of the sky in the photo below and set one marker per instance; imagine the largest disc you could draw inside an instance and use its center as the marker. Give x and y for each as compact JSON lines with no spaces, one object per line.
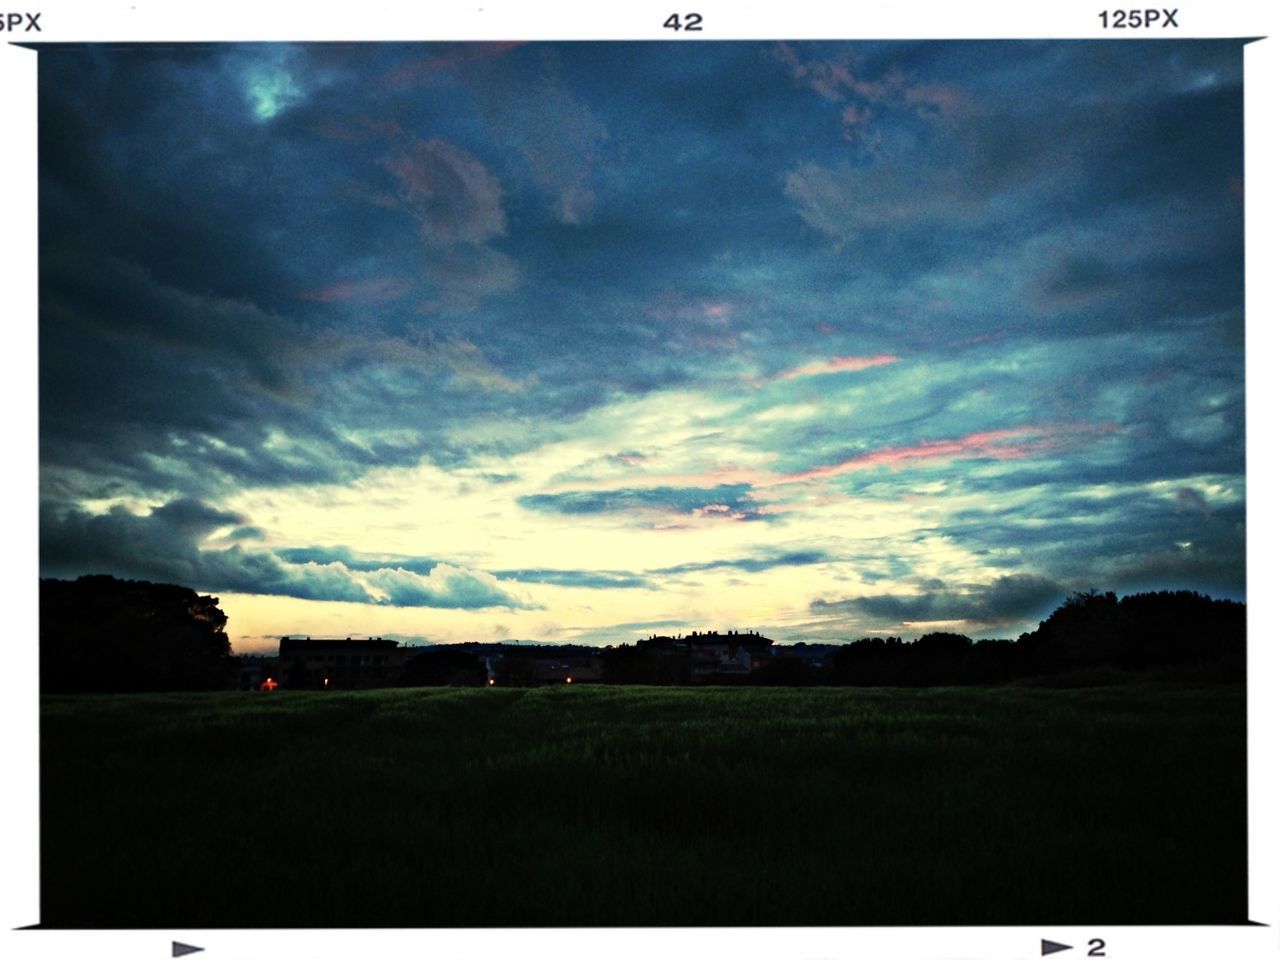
{"x":583,"y":342}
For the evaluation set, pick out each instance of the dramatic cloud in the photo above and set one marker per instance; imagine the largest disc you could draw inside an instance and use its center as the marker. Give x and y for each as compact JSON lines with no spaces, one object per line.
{"x":541,"y":340}
{"x":1010,"y":599}
{"x":164,"y":545}
{"x":1012,"y":444}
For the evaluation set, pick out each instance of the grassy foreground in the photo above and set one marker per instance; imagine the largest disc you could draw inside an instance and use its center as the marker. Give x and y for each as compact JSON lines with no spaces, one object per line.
{"x":645,"y":806}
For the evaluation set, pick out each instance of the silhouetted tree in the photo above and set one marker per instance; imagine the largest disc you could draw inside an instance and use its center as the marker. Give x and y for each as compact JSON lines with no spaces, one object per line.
{"x":990,"y":662}
{"x":944,"y":644}
{"x":1085,"y":631}
{"x":1172,"y":629}
{"x":1182,"y":631}
{"x":935,"y":659}
{"x":871,"y":661}
{"x":98,"y":633}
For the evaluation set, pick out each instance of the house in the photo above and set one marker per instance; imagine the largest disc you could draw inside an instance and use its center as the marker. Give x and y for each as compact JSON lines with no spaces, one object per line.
{"x":339,"y":664}
{"x":714,"y":654}
{"x":719,"y":658}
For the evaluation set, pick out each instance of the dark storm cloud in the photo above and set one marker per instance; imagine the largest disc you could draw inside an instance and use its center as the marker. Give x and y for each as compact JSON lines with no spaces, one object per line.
{"x":195,"y":269}
{"x":178,"y":178}
{"x":167,"y":389}
{"x":1215,"y":566}
{"x":1009,"y":599}
{"x":1146,"y":221}
{"x":162,"y":546}
{"x":561,"y":142}
{"x":1135,"y":539}
{"x":667,"y":242}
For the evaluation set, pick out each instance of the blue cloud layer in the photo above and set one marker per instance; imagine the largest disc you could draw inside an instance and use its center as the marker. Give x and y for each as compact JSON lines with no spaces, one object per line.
{"x":279,"y":266}
{"x":163,"y":546}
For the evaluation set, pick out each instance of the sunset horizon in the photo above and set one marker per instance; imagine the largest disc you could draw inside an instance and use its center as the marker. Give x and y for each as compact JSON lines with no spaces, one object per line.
{"x":576,"y":343}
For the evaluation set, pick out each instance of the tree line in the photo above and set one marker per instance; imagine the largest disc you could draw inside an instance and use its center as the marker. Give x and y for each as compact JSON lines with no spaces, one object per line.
{"x":1090,"y":638}
{"x":98,"y":633}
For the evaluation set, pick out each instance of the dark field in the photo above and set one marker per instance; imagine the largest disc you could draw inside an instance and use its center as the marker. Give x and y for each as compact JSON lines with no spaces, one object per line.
{"x":583,"y":806}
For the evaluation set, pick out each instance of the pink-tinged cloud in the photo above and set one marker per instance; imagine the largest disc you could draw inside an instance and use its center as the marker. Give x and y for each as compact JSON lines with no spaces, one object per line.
{"x":828,"y":78}
{"x":837,"y":79}
{"x":719,"y":511}
{"x":934,"y":99}
{"x":1020,"y":443}
{"x":678,"y":308}
{"x":372,"y":290}
{"x":451,"y":192}
{"x":838,"y":365}
{"x":852,"y":118}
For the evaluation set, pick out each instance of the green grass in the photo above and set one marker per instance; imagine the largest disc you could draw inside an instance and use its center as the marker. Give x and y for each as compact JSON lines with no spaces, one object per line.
{"x":645,"y":806}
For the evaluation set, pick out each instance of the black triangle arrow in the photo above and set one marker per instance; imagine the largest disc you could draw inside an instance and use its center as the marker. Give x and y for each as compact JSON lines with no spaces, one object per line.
{"x":1048,"y":946}
{"x":182,"y":949}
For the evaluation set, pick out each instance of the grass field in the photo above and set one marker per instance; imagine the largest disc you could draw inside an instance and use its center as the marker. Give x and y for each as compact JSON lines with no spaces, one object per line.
{"x":577,"y":806}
